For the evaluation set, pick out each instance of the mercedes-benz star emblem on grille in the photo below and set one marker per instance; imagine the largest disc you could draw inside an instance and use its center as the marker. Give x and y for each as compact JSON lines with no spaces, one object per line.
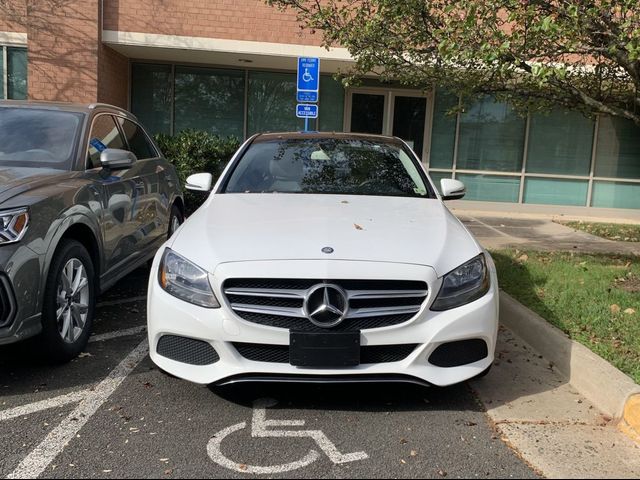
{"x":327,"y":250}
{"x":326,"y":305}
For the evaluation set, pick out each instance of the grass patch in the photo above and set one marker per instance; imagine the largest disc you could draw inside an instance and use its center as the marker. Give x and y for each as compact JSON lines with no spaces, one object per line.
{"x":595,"y":299}
{"x":611,"y":231}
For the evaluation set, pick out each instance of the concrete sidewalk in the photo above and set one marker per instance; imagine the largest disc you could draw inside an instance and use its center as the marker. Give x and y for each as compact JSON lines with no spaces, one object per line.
{"x":496,"y":230}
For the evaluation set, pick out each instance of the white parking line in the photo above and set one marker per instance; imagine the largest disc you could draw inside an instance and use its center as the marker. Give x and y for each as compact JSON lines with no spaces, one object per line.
{"x":54,"y":443}
{"x":117,"y":334}
{"x":493,"y":229}
{"x":35,"y":407}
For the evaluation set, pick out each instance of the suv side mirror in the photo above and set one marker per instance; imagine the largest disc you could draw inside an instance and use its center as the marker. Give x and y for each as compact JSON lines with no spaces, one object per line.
{"x":115,"y":159}
{"x":200,"y":182}
{"x":452,"y":189}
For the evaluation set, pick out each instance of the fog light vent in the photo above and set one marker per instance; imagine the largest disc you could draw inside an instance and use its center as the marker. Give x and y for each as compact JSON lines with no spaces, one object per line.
{"x":187,"y":350}
{"x":456,"y":354}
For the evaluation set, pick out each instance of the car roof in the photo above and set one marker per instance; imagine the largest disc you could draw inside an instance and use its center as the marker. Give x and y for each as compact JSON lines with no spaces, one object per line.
{"x":65,"y":106}
{"x":270,"y":137}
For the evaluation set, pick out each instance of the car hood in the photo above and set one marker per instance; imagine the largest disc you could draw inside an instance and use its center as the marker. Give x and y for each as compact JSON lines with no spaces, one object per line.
{"x":15,"y":180}
{"x":251,"y":227}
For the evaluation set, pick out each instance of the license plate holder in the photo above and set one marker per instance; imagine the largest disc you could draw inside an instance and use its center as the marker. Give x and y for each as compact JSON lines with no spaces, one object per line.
{"x":324,"y":350}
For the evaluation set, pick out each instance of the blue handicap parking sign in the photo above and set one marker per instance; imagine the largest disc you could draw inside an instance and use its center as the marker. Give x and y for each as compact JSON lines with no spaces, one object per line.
{"x":309,"y":75}
{"x":307,"y":111}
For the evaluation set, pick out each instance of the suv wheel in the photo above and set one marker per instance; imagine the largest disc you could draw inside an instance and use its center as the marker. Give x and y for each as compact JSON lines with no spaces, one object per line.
{"x":175,"y":220}
{"x":69,"y":301}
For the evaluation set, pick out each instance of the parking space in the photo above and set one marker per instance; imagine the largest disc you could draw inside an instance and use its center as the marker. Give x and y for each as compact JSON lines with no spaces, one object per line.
{"x":111,"y":413}
{"x":503,"y":231}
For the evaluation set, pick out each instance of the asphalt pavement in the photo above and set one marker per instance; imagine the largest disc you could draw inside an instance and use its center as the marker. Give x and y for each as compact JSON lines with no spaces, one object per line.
{"x":112,"y":414}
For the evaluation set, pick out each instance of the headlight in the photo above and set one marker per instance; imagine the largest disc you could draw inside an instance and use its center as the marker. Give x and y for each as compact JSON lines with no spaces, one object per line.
{"x":13,"y":225}
{"x":465,"y":284}
{"x":186,"y":281}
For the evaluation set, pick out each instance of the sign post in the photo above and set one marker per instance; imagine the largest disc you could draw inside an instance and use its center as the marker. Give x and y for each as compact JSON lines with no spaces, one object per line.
{"x":308,"y":89}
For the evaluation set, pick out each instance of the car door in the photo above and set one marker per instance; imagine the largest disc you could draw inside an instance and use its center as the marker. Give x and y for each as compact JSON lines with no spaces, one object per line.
{"x":151,"y":208}
{"x":117,"y":190}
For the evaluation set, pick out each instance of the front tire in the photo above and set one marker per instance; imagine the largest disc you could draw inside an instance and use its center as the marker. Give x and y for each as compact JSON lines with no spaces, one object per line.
{"x":175,"y":220}
{"x":69,"y":302}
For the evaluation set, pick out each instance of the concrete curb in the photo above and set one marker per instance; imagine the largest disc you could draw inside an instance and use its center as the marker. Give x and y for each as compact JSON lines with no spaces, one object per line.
{"x":610,"y":390}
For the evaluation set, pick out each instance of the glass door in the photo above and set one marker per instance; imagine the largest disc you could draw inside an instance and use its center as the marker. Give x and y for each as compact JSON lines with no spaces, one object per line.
{"x":368,"y":113}
{"x":401,"y":113}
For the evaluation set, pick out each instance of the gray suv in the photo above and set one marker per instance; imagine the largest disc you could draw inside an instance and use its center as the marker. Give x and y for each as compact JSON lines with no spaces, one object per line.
{"x":85,"y":198}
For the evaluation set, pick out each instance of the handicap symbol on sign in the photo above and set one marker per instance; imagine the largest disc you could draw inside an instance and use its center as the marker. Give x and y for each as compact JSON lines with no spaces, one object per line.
{"x":306,"y":76}
{"x":263,"y":428}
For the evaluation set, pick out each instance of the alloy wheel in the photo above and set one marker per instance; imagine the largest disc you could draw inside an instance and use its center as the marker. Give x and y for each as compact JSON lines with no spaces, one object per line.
{"x":72,"y":301}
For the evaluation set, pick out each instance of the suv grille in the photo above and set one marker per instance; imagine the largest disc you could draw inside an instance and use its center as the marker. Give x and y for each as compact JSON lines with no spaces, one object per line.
{"x":368,"y":354}
{"x":7,"y":302}
{"x":279,"y":302}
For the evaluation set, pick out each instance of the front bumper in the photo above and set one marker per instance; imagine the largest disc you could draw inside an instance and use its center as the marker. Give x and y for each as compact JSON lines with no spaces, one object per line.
{"x":20,"y":282}
{"x":220,"y":328}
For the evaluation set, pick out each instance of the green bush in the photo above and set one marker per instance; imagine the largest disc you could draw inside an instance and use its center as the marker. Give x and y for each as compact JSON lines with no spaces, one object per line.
{"x":195,"y":151}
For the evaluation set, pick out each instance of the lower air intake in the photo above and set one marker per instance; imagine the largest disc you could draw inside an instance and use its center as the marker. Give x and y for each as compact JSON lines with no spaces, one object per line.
{"x":456,"y":354}
{"x":187,"y":350}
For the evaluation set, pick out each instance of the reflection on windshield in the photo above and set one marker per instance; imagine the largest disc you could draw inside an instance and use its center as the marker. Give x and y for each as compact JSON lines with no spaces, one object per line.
{"x":37,"y":138}
{"x":328,"y":166}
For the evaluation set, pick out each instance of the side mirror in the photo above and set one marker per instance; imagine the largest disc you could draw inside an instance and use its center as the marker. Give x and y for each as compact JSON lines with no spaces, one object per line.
{"x":116,"y":159}
{"x":452,"y":189}
{"x":200,"y":182}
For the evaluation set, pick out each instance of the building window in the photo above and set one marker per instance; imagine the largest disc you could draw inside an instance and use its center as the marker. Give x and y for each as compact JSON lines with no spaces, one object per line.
{"x":272,"y":103}
{"x":331,"y":109}
{"x":560,"y":143}
{"x":443,"y":135}
{"x":491,"y":188}
{"x":13,"y":73}
{"x":491,"y":137}
{"x":209,"y":99}
{"x":616,"y":195}
{"x":554,"y":191}
{"x":618,"y":150}
{"x":152,"y":96}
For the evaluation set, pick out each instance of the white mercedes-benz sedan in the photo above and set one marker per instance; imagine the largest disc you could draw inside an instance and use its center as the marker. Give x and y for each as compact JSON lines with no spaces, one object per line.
{"x":323,"y":258}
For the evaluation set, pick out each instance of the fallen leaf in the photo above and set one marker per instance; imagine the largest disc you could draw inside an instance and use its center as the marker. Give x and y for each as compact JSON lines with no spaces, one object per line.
{"x":615,"y":309}
{"x":629,"y":311}
{"x":242,"y":467}
{"x":523,"y":258}
{"x":442,"y":473}
{"x":84,"y":355}
{"x":402,"y":461}
{"x":413,"y":453}
{"x":358,"y":227}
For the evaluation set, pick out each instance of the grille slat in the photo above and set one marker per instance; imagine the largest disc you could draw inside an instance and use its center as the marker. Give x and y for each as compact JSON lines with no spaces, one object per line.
{"x":368,"y":354}
{"x":279,"y":302}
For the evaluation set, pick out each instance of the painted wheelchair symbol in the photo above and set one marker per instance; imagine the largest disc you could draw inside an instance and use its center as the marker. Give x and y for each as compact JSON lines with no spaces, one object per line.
{"x":261,"y":428}
{"x":306,"y":76}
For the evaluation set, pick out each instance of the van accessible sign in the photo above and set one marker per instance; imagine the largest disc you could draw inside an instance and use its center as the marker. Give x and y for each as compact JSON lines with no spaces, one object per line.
{"x":306,"y":111}
{"x":308,"y":79}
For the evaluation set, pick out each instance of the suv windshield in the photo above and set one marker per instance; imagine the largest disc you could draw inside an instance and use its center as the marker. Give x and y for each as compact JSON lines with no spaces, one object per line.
{"x":328,"y":166}
{"x":37,"y":137}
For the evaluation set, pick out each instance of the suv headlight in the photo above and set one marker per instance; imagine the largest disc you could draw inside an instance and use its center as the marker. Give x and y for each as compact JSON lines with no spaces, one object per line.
{"x":13,"y":225}
{"x":185,"y":280}
{"x":465,"y":284}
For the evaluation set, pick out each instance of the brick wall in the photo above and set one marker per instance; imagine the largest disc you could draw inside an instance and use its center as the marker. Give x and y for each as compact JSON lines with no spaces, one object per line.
{"x":12,"y":16}
{"x":63,"y":50}
{"x":228,"y":19}
{"x":113,"y":77}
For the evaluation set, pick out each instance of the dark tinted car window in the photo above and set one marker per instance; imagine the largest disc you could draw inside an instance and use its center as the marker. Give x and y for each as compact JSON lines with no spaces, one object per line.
{"x":38,"y":138}
{"x":330,"y":166}
{"x":138,"y":142}
{"x":104,"y":134}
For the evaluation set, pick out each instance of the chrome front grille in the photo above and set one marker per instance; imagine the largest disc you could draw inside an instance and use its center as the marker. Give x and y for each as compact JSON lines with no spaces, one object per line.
{"x":280,"y":302}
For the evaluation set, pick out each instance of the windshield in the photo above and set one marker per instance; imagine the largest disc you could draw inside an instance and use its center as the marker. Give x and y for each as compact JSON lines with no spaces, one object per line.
{"x":37,"y":138}
{"x":328,"y":166}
